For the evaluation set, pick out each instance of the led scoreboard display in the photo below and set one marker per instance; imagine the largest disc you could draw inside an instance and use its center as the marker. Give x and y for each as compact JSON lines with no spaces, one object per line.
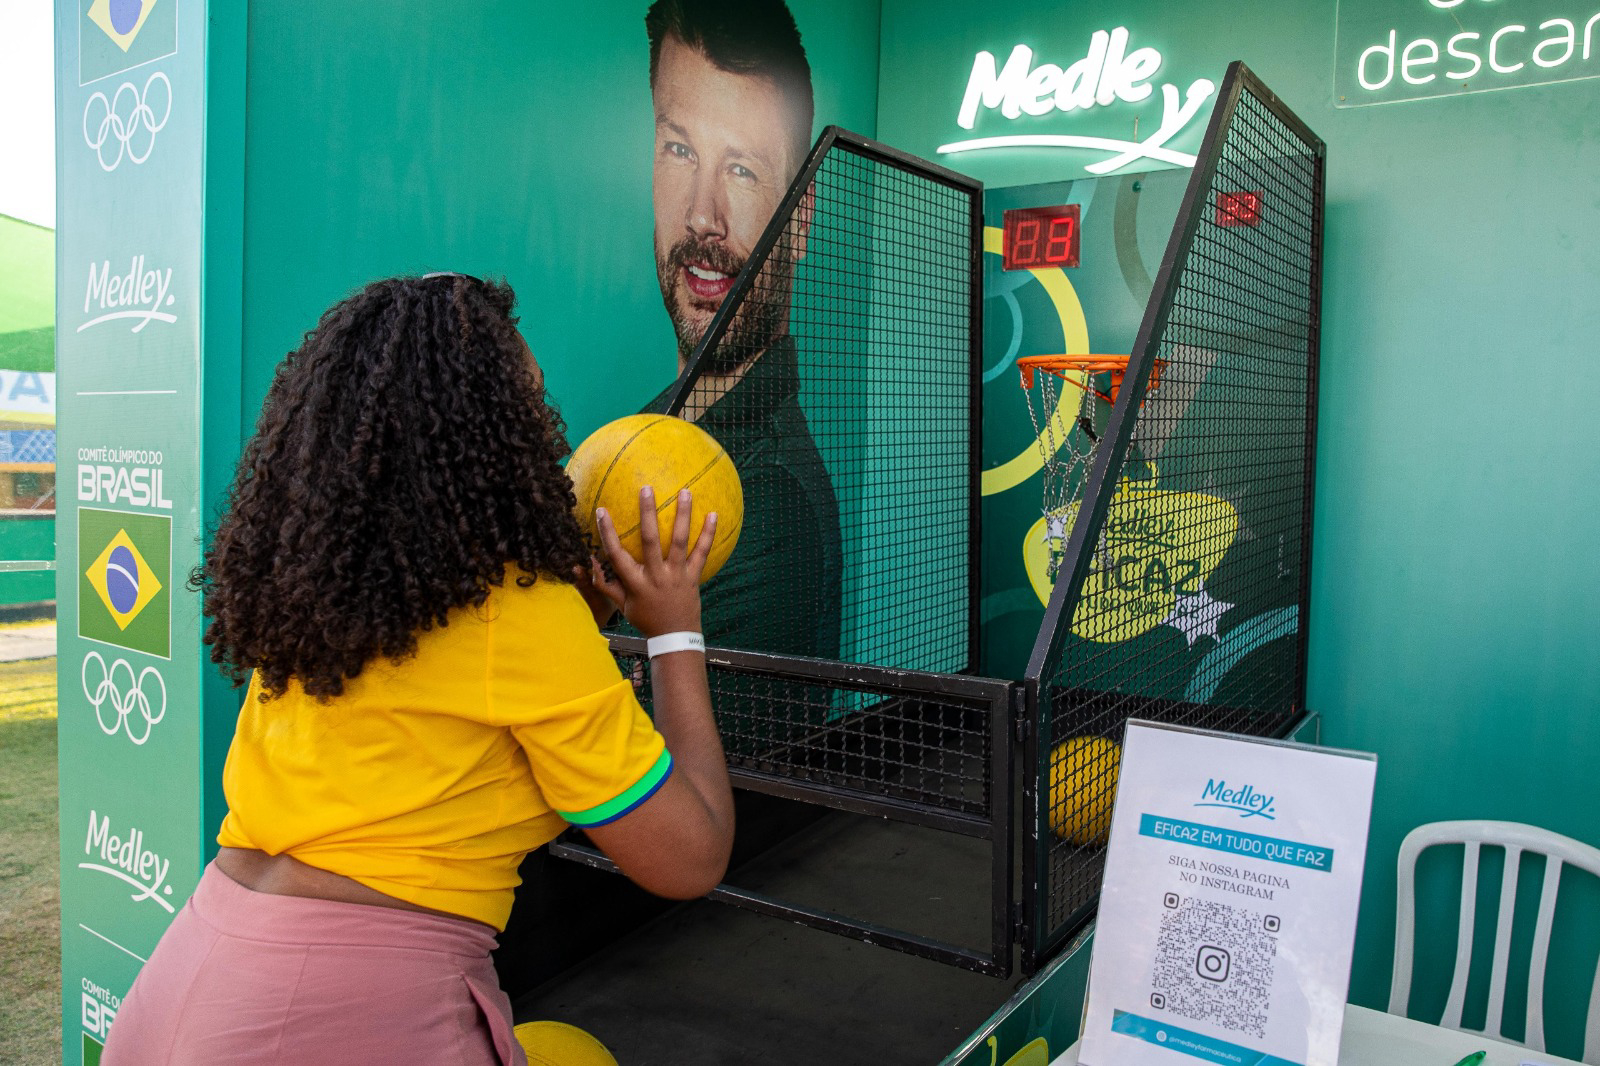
{"x":1041,"y":237}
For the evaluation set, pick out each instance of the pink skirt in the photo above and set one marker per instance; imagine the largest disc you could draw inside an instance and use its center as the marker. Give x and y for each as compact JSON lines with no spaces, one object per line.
{"x":252,"y":979}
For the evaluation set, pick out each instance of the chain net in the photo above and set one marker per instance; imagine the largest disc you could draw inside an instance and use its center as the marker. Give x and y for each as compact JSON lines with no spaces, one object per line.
{"x":1067,"y":443}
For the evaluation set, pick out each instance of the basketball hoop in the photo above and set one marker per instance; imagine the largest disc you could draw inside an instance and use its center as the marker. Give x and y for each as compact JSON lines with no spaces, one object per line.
{"x":1068,"y":443}
{"x":1086,"y":367}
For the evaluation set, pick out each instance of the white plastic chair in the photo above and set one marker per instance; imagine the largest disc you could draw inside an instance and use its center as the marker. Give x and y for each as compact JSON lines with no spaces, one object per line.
{"x":1515,"y":838}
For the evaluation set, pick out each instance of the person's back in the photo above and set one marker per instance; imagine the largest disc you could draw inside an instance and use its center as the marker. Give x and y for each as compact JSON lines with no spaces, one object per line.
{"x":429,"y":779}
{"x":400,"y":578}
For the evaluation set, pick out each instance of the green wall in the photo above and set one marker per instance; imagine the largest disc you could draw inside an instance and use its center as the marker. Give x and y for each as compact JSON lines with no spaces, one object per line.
{"x":353,"y":142}
{"x":1454,"y":618}
{"x":1453,"y":604}
{"x":493,"y":137}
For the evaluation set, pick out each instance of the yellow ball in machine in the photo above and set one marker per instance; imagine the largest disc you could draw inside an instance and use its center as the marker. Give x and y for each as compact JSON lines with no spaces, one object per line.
{"x":1083,"y":788}
{"x":668,"y":454}
{"x":559,"y":1044}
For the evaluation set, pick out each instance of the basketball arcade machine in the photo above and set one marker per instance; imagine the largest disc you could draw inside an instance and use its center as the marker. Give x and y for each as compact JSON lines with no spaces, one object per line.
{"x":1178,"y":484}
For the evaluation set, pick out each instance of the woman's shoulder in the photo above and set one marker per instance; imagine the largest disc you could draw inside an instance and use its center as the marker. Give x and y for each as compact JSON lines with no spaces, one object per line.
{"x":544,"y":647}
{"x":537,"y":586}
{"x":540,"y":600}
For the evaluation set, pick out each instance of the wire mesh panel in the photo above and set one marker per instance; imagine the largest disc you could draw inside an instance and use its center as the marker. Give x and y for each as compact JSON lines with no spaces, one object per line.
{"x":840,"y":374}
{"x":928,"y":746}
{"x":1182,"y":590}
{"x":927,"y":749}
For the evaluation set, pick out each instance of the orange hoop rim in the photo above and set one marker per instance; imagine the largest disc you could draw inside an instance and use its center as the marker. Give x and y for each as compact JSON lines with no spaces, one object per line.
{"x":1089,"y":365}
{"x":1097,"y":364}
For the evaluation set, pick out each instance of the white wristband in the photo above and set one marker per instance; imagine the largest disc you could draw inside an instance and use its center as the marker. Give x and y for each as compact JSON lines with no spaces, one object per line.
{"x":667,"y":643}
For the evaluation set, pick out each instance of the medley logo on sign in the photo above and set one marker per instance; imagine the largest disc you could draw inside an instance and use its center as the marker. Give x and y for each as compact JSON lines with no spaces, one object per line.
{"x":118,"y":35}
{"x":123,"y":598}
{"x":1106,"y":75}
{"x":1246,"y":801}
{"x":126,"y":858}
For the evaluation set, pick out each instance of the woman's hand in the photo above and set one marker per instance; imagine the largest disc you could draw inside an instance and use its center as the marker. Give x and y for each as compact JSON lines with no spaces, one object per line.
{"x":588,"y":581}
{"x":677,"y":842}
{"x":661,"y":592}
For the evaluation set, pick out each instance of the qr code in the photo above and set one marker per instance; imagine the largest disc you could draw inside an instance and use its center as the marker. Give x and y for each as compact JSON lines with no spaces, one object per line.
{"x":1214,"y":963}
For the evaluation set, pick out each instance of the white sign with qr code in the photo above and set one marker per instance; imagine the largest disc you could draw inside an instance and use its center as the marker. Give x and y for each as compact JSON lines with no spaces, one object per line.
{"x":1228,"y":910}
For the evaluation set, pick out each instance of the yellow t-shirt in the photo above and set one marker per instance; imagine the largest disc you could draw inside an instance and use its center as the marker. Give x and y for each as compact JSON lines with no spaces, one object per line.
{"x":430,"y":779}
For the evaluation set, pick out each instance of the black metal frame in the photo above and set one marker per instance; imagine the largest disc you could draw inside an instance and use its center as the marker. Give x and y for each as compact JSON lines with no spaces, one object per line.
{"x":1039,"y":941}
{"x":1014,"y":708}
{"x":992,"y":698}
{"x":830,"y":137}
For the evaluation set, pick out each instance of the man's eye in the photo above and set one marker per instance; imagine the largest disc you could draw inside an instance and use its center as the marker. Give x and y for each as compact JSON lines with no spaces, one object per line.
{"x":743,"y":173}
{"x":679,"y":150}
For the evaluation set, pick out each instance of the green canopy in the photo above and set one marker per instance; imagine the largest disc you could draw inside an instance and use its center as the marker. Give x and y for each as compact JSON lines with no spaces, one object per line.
{"x":27,"y":296}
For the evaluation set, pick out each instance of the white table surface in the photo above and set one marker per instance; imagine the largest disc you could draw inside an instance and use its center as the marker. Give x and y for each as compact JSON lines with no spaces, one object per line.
{"x":1372,"y":1038}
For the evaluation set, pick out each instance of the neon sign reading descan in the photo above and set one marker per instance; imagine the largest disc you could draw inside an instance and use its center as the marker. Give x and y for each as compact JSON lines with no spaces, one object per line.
{"x":1107,"y":74}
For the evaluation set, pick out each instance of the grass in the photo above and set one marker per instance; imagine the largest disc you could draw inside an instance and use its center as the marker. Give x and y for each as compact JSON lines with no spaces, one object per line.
{"x":30,"y":909}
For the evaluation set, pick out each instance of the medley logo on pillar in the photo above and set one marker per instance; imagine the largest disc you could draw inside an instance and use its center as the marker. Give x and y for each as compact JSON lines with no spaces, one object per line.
{"x":123,"y":853}
{"x":138,"y":296}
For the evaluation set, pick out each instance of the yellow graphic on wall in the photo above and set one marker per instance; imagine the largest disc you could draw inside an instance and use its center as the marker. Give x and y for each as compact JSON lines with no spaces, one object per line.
{"x":1156,"y":553}
{"x":1037,"y":1053}
{"x":1075,"y":339}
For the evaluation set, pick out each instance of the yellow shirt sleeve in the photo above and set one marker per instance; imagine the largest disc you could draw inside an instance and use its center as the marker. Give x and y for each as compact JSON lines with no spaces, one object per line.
{"x":594,"y":752}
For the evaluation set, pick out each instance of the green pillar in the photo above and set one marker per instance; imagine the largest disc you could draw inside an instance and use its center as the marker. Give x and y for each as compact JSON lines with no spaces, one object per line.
{"x":148,"y":129}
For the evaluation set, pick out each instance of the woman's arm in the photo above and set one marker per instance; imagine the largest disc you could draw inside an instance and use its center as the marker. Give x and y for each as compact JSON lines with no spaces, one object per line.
{"x":676,"y":843}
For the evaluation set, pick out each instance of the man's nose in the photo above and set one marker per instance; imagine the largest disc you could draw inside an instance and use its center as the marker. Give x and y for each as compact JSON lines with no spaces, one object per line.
{"x":705,"y":218}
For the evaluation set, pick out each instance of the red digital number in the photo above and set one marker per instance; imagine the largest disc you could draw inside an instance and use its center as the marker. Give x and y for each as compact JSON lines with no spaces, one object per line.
{"x":1058,"y":249}
{"x":1037,"y":237}
{"x":1025,"y":246}
{"x":1239,"y":208}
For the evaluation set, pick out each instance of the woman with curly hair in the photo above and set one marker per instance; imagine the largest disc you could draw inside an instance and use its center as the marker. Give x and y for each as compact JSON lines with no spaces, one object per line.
{"x":400,"y":577}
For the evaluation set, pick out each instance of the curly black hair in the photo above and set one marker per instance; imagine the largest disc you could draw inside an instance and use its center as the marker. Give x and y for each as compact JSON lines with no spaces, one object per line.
{"x":404,"y":456}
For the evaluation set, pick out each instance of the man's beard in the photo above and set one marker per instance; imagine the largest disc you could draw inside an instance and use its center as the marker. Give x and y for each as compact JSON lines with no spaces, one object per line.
{"x":761,"y":320}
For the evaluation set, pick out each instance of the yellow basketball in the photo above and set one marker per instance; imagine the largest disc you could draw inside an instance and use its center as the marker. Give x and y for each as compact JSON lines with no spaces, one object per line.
{"x":559,"y":1044}
{"x":1083,"y":788}
{"x":668,"y":454}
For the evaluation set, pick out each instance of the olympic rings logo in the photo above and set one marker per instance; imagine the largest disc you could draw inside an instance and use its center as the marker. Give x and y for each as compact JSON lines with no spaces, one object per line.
{"x":124,"y":699}
{"x":127,"y":121}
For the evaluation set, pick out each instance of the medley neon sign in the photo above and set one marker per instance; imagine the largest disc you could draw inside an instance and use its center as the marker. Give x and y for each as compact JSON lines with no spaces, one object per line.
{"x":1108,"y":74}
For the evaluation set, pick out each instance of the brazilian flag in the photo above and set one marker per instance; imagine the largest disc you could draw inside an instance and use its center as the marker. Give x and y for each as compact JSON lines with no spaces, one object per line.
{"x":124,"y":594}
{"x":118,"y":35}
